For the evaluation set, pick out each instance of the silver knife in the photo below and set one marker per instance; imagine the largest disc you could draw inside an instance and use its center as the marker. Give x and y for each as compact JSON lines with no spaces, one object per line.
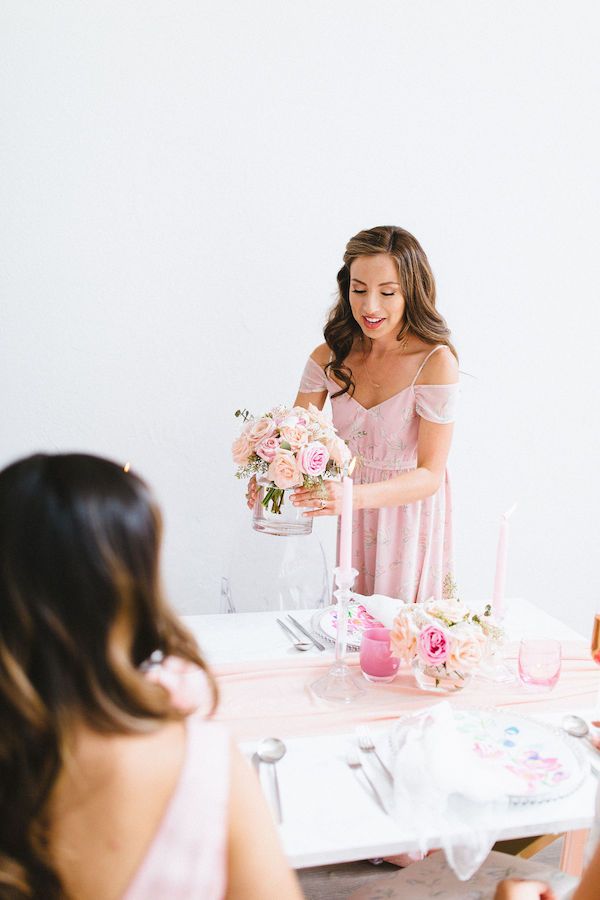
{"x":256,"y":762}
{"x":307,"y":634}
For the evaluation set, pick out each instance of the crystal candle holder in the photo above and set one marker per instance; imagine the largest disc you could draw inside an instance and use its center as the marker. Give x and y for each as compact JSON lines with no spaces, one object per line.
{"x":339,"y":684}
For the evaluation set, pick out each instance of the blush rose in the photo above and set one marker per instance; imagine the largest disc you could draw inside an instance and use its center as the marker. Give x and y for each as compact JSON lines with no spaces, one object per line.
{"x":284,"y":470}
{"x":267,"y":448}
{"x":434,"y":646}
{"x":313,"y":459}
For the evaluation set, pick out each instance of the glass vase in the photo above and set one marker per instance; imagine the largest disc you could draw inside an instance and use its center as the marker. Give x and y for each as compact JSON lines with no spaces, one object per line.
{"x":438,"y":679}
{"x":274,"y":513}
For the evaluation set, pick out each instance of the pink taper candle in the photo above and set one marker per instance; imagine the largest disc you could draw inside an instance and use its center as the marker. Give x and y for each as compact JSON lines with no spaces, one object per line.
{"x":345,"y":561}
{"x":501,"y":556}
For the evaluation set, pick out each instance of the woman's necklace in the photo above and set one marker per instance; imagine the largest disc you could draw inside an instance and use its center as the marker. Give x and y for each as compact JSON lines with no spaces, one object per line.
{"x":374,"y":384}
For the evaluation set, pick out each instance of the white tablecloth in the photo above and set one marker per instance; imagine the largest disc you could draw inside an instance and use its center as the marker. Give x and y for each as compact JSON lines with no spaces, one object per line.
{"x":328,"y":817}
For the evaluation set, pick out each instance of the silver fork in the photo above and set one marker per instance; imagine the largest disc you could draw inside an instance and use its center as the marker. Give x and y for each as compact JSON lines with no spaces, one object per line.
{"x":365,"y":742}
{"x":355,"y":764}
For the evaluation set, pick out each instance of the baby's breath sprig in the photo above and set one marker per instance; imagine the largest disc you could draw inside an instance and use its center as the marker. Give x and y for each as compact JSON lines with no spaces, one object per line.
{"x":255,"y":466}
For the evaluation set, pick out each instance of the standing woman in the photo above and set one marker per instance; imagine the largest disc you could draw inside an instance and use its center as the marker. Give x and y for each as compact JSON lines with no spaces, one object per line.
{"x":392,"y":375}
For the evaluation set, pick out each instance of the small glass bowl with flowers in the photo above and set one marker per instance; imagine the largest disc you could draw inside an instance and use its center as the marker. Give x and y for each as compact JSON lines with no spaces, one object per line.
{"x":443,"y":641}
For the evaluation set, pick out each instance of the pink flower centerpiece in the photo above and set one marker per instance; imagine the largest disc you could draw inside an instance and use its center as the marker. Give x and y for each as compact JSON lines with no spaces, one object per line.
{"x":443,"y":640}
{"x":288,"y":448}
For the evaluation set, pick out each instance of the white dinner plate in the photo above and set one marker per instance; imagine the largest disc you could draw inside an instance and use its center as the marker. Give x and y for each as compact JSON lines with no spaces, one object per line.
{"x":538,"y":761}
{"x":324,"y":622}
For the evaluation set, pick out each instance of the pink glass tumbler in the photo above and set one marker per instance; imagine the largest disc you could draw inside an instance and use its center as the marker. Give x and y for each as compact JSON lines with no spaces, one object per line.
{"x":376,"y":660}
{"x":539,"y":664}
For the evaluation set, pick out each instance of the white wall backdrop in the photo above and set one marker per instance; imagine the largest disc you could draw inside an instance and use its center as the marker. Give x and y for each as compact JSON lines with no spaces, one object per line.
{"x":178,"y":182}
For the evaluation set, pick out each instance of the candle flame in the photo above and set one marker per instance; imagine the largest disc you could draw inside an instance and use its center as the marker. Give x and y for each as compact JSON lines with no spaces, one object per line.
{"x":506,"y":516}
{"x":126,"y":467}
{"x":352,"y":466}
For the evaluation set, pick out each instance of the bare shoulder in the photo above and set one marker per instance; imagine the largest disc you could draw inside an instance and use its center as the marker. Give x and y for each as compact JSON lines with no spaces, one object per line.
{"x":321,"y":355}
{"x":440,"y":368}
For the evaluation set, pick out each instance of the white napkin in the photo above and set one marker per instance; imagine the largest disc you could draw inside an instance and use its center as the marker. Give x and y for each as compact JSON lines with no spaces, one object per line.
{"x":444,"y":790}
{"x":384,"y":609}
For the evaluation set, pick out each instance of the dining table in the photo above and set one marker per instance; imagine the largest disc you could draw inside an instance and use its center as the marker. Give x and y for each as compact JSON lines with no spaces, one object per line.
{"x":327,"y":815}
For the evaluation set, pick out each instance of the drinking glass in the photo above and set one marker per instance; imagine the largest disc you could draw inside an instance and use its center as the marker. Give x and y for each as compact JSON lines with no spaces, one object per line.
{"x":539,"y":664}
{"x":376,"y":660}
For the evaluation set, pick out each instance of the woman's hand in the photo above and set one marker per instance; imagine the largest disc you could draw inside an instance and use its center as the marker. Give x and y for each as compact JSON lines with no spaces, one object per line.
{"x":252,"y":492}
{"x":323,"y":500}
{"x":516,"y":889}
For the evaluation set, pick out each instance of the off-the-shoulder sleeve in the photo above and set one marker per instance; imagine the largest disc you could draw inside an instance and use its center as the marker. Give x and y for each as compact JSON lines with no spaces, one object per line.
{"x":313,"y":378}
{"x":437,"y":402}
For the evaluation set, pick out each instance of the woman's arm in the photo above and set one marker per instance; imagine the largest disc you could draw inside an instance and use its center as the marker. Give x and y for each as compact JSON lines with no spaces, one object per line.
{"x":256,"y":866}
{"x":432,"y":453}
{"x":320,"y":355}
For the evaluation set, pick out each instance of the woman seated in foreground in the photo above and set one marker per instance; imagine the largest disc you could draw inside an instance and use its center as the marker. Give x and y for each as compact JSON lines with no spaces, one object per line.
{"x":108,"y":789}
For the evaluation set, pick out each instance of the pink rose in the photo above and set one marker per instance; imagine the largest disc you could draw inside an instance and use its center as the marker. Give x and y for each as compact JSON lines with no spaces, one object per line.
{"x":261,"y":429}
{"x":267,"y":448}
{"x":241,"y":449}
{"x":185,"y":682}
{"x":313,"y":459}
{"x":434,"y":646}
{"x":284,"y":470}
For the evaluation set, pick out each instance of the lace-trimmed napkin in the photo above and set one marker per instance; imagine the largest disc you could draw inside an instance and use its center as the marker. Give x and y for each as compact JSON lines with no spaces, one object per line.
{"x":444,"y":790}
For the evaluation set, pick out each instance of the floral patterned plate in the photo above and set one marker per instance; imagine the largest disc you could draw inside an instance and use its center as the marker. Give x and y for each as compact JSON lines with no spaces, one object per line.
{"x":538,"y":761}
{"x":324,"y":621}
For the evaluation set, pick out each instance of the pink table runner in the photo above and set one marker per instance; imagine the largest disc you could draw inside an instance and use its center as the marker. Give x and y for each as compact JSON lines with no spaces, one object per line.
{"x":274,"y":697}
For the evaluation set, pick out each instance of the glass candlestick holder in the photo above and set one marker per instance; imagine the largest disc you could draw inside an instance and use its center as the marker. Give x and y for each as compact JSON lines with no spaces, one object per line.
{"x":339,"y":684}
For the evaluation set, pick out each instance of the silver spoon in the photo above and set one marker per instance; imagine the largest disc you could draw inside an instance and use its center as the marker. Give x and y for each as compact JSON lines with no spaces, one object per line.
{"x":299,"y":645}
{"x":577,"y":727}
{"x":271,"y":750}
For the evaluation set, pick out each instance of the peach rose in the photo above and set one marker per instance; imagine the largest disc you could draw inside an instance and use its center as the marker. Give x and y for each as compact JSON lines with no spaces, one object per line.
{"x":261,"y":429}
{"x":404,"y":635}
{"x":338,"y":450}
{"x":284,"y":470}
{"x":241,"y":449}
{"x":294,"y":432}
{"x":467,"y":648}
{"x":320,"y":418}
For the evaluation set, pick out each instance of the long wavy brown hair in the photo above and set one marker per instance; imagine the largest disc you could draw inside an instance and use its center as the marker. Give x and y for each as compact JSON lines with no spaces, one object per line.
{"x":81,"y":608}
{"x":421,"y":318}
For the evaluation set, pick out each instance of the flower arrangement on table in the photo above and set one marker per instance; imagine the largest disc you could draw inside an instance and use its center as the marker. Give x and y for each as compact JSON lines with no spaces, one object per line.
{"x":444,"y":641}
{"x":288,"y":448}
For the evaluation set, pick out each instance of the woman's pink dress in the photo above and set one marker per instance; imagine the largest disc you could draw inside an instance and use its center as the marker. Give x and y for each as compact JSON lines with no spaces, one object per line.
{"x":400,"y":551}
{"x":187,"y":857}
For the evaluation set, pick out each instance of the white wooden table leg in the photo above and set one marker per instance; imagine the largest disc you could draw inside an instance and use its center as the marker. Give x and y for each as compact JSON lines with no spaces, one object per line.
{"x":571,"y":858}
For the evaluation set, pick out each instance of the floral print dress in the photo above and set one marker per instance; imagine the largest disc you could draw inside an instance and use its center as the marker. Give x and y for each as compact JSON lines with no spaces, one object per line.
{"x":404,"y":551}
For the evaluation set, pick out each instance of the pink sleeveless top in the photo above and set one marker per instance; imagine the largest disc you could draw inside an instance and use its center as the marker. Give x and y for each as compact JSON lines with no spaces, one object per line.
{"x":187,"y":857}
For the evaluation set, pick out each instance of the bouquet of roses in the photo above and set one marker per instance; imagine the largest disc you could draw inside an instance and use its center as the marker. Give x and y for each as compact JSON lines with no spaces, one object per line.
{"x":288,"y":448}
{"x":444,"y":636}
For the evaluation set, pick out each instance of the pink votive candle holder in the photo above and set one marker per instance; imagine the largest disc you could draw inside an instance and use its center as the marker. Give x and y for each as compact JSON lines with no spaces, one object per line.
{"x":539,"y":664}
{"x":376,"y":660}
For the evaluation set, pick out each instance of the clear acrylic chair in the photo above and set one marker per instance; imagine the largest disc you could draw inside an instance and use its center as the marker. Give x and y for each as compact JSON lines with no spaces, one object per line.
{"x":268,"y":572}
